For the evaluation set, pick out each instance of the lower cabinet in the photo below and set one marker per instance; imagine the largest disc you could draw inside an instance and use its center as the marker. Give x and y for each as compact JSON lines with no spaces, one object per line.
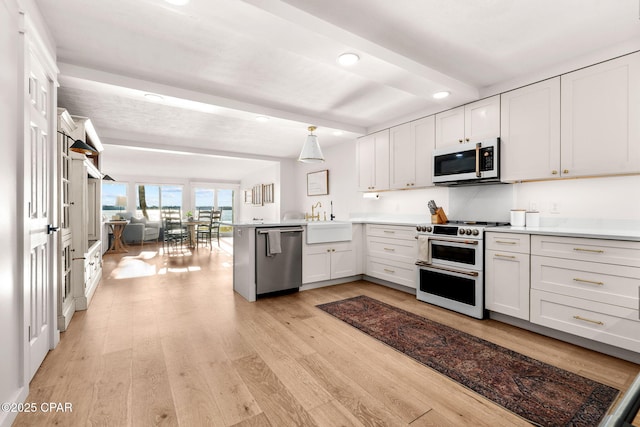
{"x":507,"y":274}
{"x":587,"y":287}
{"x":328,"y":261}
{"x":391,"y":253}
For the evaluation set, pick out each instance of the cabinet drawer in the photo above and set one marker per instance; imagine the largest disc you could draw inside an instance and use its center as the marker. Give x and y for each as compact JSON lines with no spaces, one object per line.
{"x":589,"y":319}
{"x":509,"y":242}
{"x":391,"y":231}
{"x":392,"y":249}
{"x":396,"y":272}
{"x":610,"y":284}
{"x":593,"y":250}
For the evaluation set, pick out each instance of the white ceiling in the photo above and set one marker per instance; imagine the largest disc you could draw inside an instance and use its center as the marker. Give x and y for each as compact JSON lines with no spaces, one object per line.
{"x":220,"y":63}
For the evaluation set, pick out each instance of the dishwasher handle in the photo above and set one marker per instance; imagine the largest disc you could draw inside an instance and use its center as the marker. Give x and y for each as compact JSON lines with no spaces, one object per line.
{"x":282,"y":230}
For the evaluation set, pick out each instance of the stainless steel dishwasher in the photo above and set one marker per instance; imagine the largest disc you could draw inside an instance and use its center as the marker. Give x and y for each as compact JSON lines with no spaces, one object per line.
{"x":279,"y":272}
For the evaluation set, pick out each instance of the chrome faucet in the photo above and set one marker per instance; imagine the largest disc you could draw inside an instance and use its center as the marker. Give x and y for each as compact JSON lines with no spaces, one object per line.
{"x":314,"y":215}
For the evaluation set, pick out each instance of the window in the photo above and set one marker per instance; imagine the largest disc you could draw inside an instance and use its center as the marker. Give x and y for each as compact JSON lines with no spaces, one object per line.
{"x":216,"y":199}
{"x":151,"y":198}
{"x":113,"y":195}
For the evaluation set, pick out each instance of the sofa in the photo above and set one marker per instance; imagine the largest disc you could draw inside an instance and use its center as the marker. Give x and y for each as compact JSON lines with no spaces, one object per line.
{"x":140,"y":230}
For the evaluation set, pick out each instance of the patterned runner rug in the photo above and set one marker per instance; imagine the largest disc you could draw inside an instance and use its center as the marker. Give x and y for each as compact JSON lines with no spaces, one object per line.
{"x":540,"y":393}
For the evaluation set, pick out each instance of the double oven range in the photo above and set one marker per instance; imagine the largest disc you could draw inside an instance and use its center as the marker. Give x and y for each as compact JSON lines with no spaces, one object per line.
{"x":451,"y":265}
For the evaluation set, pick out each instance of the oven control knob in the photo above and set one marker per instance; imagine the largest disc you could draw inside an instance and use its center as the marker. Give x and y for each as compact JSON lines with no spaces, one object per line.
{"x":469,"y":232}
{"x":461,"y":231}
{"x":418,"y":228}
{"x":476,"y":232}
{"x":429,"y":229}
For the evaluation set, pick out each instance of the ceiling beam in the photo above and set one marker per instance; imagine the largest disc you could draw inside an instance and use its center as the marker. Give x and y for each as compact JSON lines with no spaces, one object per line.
{"x":422,"y":80}
{"x":77,"y":77}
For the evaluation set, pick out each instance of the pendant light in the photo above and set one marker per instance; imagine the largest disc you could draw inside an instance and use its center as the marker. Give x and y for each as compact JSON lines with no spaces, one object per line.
{"x":311,"y":152}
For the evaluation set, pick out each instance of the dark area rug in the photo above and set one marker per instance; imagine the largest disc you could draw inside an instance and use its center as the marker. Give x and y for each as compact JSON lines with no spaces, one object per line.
{"x":538,"y":392}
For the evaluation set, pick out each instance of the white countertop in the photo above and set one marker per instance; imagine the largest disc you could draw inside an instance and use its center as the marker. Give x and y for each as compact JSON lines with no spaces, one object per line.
{"x":611,"y":233}
{"x":614,"y":230}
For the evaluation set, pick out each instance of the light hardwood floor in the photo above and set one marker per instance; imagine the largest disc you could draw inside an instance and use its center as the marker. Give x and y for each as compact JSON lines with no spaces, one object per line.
{"x":166,"y":341}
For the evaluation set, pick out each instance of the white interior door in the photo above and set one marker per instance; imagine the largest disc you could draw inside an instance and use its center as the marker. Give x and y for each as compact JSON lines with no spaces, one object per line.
{"x":39,"y":278}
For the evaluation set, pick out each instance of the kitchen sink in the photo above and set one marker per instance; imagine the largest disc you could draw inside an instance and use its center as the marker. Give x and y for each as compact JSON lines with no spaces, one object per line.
{"x":328,"y":231}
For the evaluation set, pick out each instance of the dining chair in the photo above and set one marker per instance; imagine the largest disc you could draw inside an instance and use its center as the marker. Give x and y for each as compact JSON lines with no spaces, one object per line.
{"x":216,"y":217}
{"x":203,"y":231}
{"x":174,"y":232}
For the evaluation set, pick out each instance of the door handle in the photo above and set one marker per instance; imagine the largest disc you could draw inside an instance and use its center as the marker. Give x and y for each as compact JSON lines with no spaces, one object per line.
{"x":51,"y":229}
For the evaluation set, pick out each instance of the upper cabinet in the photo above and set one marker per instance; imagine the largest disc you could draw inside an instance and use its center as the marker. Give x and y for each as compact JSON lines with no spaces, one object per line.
{"x":372,"y":152}
{"x":472,"y":122}
{"x":600,"y":118}
{"x":530,"y":132}
{"x":410,"y":150}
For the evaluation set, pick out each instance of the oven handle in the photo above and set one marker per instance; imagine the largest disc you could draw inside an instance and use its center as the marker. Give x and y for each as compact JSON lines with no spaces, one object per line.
{"x":450,"y":270}
{"x":465,"y":242}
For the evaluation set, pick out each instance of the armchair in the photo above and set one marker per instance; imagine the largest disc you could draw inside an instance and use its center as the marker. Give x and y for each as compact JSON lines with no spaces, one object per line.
{"x":141,"y":230}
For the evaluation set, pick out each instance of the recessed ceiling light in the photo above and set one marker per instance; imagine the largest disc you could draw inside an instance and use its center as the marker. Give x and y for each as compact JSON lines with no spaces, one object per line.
{"x":153,"y":97}
{"x":177,"y":2}
{"x":262,"y":119}
{"x":338,"y":132}
{"x":441,"y":95}
{"x":347,"y":59}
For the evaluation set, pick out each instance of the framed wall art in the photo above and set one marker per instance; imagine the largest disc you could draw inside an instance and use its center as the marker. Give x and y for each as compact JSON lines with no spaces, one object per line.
{"x":318,"y":183}
{"x":267,"y":196}
{"x":256,"y":195}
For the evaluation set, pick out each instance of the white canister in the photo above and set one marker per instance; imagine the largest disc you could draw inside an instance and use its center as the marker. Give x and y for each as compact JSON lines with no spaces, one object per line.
{"x":532,"y":219}
{"x":518,"y":217}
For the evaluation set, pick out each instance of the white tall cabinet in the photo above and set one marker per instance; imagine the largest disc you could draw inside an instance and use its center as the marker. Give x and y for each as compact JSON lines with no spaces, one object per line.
{"x":80,"y":227}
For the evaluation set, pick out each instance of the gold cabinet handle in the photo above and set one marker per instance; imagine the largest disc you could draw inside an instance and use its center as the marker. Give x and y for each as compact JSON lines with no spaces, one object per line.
{"x":593,"y":282}
{"x":389,"y":231}
{"x":565,"y":171}
{"x":584,"y":319}
{"x":460,"y":141}
{"x":505,"y":256}
{"x":388,"y":270}
{"x":390,"y":249}
{"x":596,"y":251}
{"x":506,"y":242}
{"x":554,"y":172}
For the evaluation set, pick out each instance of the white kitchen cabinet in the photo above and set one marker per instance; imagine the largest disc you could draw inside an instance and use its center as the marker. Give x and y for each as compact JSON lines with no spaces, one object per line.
{"x":600,"y":130}
{"x":530,"y":132}
{"x":473,"y":122}
{"x":587,"y":287}
{"x":410,"y":148}
{"x":391,"y":253}
{"x":328,"y":261}
{"x":507,"y":274}
{"x":372,"y":158}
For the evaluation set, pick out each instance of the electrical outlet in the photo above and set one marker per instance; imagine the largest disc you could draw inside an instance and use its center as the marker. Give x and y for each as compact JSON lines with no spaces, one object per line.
{"x":533,"y":206}
{"x":554,"y":208}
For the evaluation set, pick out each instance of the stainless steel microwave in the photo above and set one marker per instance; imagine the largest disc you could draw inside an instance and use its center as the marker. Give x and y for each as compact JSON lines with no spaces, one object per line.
{"x":468,"y":163}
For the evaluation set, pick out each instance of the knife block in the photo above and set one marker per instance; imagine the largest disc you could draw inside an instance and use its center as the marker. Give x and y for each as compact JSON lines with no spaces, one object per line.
{"x":439,"y":217}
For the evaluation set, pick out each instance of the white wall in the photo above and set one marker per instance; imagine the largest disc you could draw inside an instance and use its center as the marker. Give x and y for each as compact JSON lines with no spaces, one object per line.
{"x":10,"y":279}
{"x":268,"y":211}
